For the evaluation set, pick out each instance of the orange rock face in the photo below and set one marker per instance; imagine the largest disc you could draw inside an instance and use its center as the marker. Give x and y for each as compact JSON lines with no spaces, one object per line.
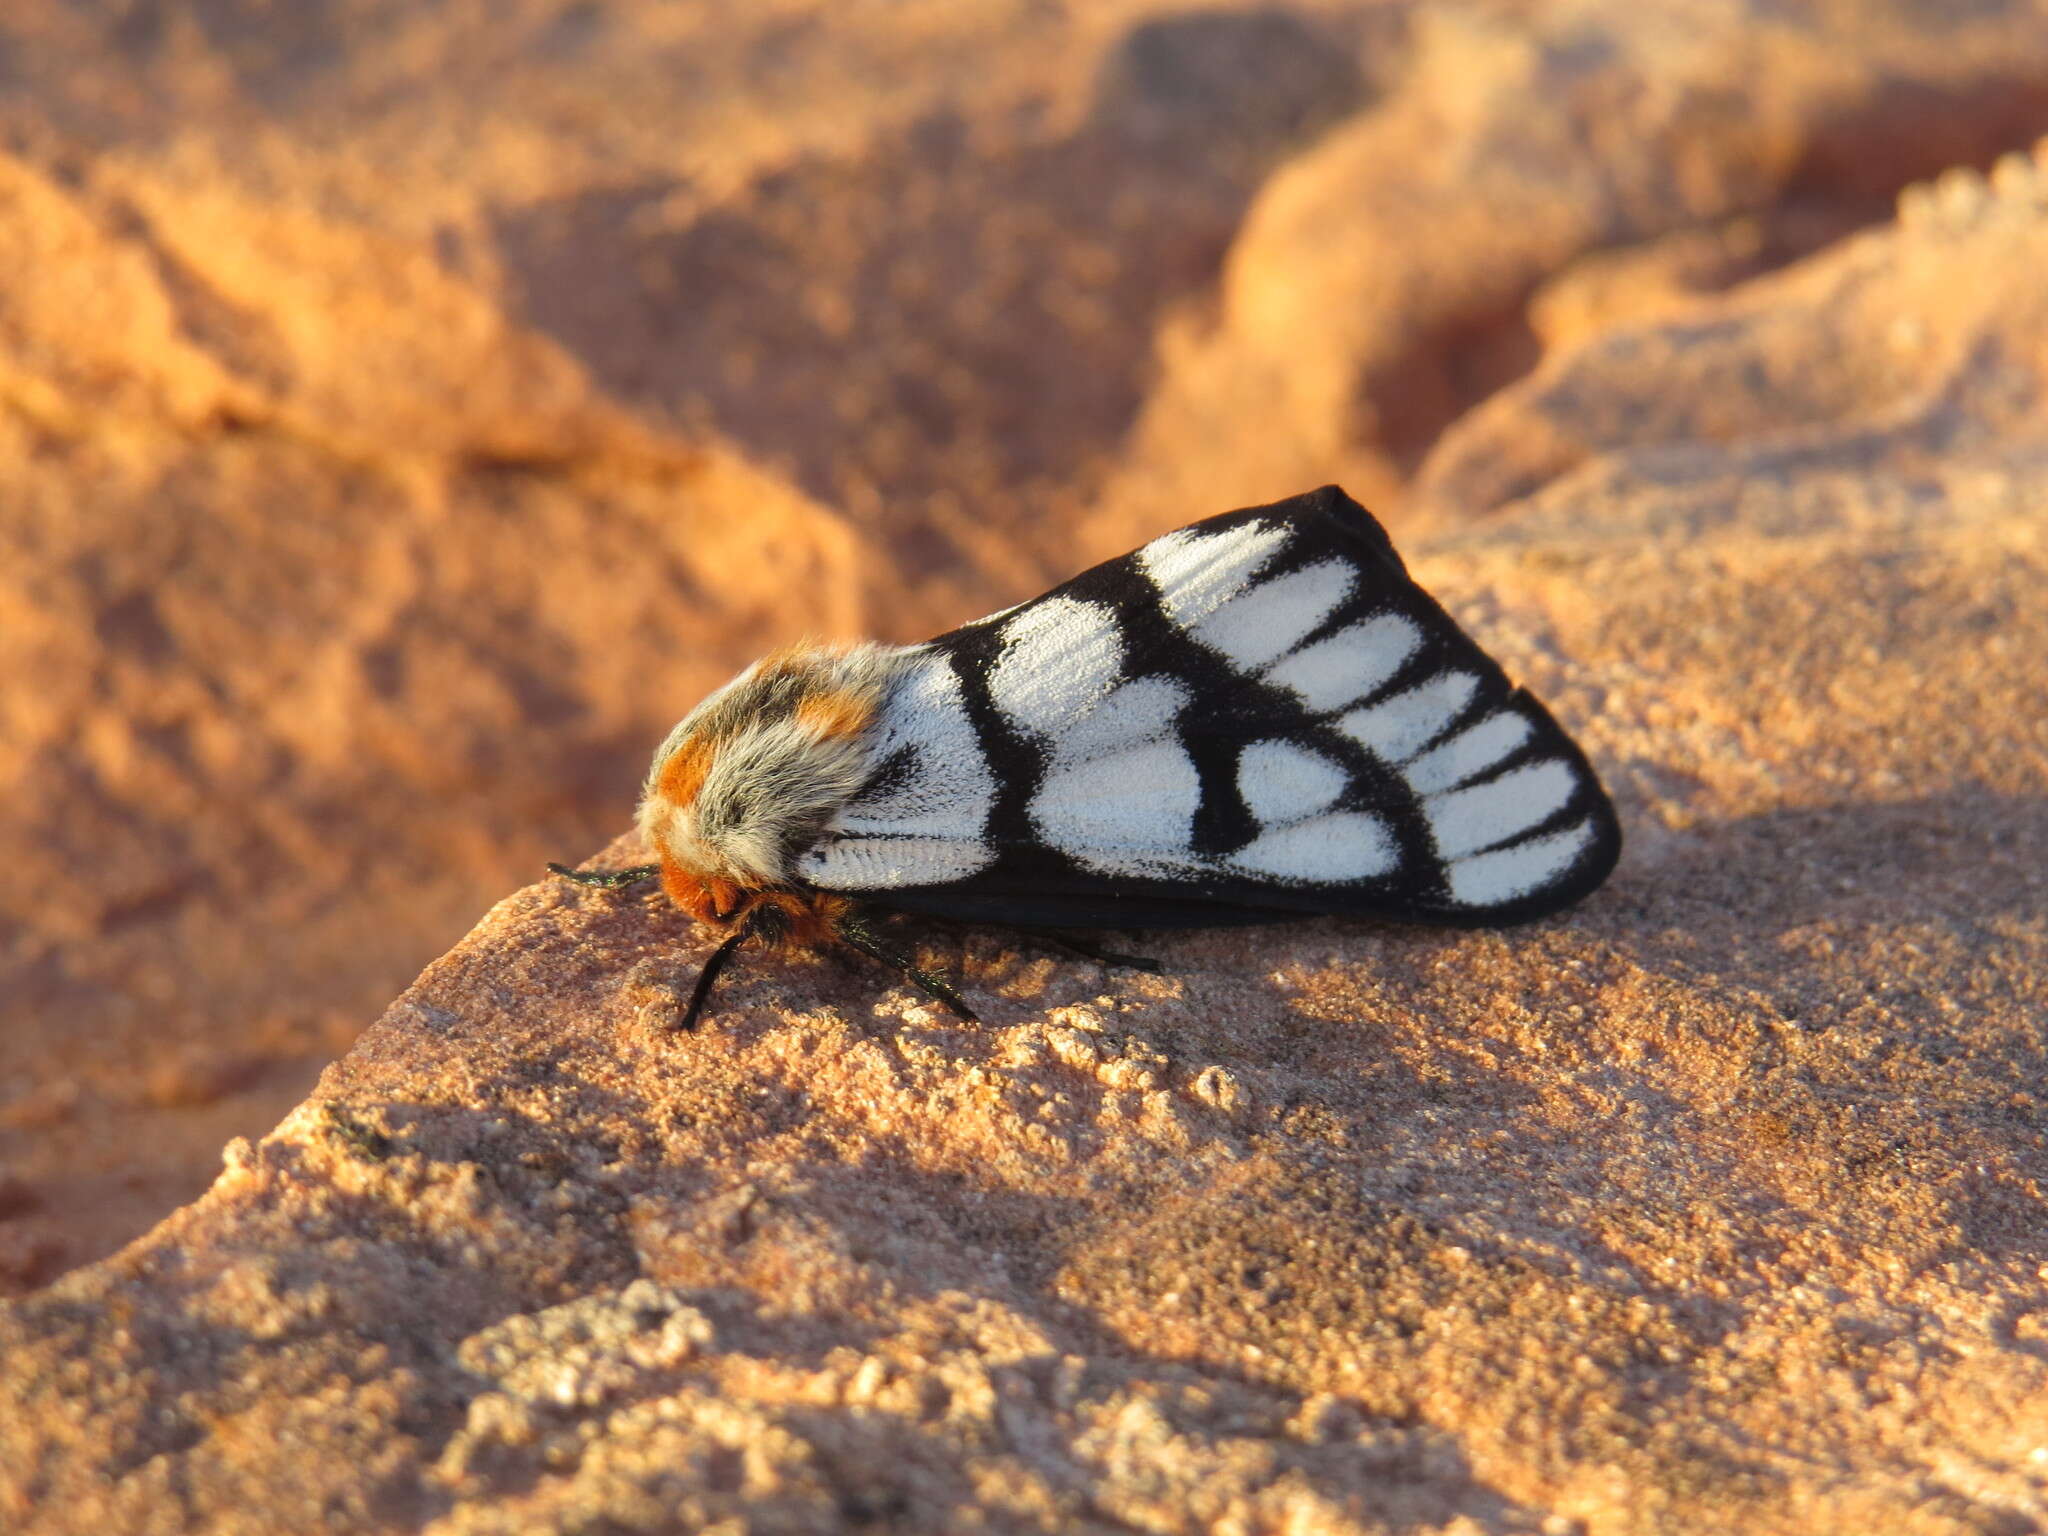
{"x":406,"y":412}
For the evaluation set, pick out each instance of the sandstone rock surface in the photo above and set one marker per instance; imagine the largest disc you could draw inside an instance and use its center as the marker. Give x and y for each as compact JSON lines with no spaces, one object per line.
{"x":407,"y":410}
{"x":1716,"y":1204}
{"x":358,"y":548}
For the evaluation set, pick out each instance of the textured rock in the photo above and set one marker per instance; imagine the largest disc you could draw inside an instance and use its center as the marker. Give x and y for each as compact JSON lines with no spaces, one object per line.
{"x":405,"y":410}
{"x":1714,"y":1205}
{"x":1529,"y":175}
{"x":325,"y":629}
{"x":388,"y":396}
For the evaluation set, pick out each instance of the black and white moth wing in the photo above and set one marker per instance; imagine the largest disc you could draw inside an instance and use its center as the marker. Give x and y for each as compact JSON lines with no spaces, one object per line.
{"x":1254,"y":716}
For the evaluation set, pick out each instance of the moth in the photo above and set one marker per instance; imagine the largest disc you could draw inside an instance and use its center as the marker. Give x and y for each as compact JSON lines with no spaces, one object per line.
{"x":1256,"y":717}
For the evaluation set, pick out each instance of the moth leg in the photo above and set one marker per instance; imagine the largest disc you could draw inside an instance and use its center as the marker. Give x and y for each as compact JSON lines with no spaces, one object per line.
{"x":859,"y":936}
{"x":707,"y":977}
{"x":607,"y":879}
{"x":1091,"y":951}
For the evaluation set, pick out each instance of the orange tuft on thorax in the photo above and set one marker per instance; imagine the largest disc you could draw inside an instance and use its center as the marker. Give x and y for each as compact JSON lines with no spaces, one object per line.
{"x":684,"y":772}
{"x":834,"y":716}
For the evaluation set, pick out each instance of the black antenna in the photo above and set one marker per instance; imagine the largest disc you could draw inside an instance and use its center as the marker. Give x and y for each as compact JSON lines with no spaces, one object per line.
{"x":607,"y":879}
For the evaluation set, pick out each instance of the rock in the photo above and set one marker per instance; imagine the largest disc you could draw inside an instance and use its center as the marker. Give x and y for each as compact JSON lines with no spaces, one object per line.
{"x":384,"y":469}
{"x":1409,"y":263}
{"x":1932,"y":359}
{"x":1713,"y":1204}
{"x":346,"y":602}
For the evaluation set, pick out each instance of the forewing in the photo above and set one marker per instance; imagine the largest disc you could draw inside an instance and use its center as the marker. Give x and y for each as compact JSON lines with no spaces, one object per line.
{"x":1256,"y":715}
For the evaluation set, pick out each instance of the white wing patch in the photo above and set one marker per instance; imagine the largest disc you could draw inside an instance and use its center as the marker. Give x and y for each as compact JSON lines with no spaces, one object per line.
{"x":1348,"y":665}
{"x":1329,"y":850}
{"x":1128,"y":812}
{"x":1141,"y":710}
{"x":1197,"y":573}
{"x":1060,"y":658}
{"x":1468,"y":754}
{"x":1506,"y":874}
{"x":1282,"y":782}
{"x":1466,"y":820}
{"x":886,"y":863}
{"x":1270,"y":619}
{"x":1402,"y":726}
{"x":929,"y":825}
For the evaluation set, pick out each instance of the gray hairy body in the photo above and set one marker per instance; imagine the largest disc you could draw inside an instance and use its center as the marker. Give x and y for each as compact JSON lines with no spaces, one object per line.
{"x":752,"y":775}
